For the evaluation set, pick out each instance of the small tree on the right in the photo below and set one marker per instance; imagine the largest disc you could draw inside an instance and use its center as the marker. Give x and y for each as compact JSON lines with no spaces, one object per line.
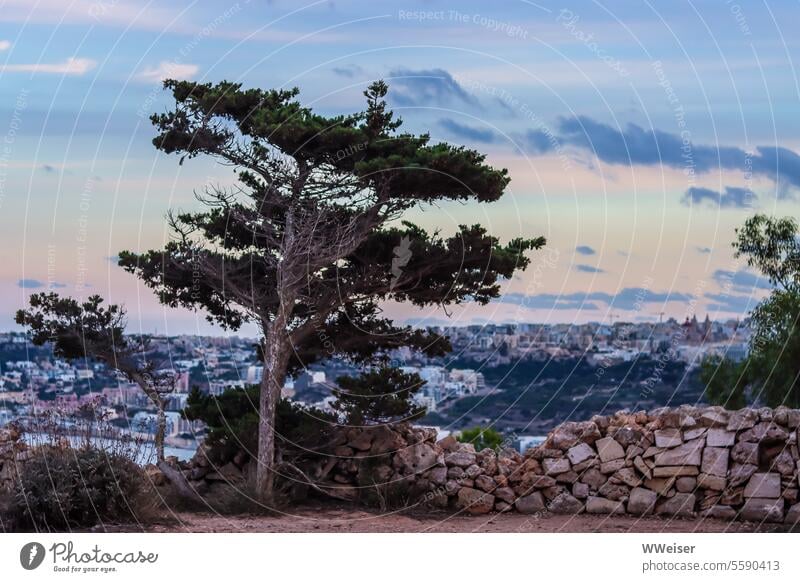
{"x":770,"y":374}
{"x":482,"y":438}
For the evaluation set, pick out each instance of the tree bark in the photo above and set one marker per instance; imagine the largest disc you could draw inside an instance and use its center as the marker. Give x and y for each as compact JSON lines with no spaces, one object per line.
{"x":275,"y":366}
{"x":161,"y":429}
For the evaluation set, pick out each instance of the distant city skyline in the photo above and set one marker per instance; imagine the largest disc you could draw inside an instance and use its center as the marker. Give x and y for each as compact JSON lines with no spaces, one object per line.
{"x":636,"y":140}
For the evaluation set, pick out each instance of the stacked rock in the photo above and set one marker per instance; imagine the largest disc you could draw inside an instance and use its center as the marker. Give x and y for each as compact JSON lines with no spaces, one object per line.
{"x":674,"y":462}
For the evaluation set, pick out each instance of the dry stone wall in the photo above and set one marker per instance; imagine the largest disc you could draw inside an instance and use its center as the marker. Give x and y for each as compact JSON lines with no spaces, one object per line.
{"x":680,"y":462}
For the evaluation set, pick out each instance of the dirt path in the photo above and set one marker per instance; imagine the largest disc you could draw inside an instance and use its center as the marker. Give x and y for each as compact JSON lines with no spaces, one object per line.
{"x":346,"y":519}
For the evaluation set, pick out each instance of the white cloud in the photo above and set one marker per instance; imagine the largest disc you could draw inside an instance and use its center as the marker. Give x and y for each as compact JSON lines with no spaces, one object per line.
{"x":72,"y":66}
{"x":168,"y":70}
{"x":102,"y":12}
{"x":5,"y":45}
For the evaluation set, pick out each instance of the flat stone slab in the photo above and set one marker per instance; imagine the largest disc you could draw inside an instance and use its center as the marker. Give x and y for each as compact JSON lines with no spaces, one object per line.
{"x":759,"y":509}
{"x":609,"y":449}
{"x":603,"y":505}
{"x":686,"y":454}
{"x":694,"y":433}
{"x":555,"y":466}
{"x":713,"y":482}
{"x":668,"y":437}
{"x":580,"y":453}
{"x":764,"y":485}
{"x":612,"y":466}
{"x":681,"y":471}
{"x":714,"y":418}
{"x":719,"y":437}
{"x":660,"y":485}
{"x":715,"y":461}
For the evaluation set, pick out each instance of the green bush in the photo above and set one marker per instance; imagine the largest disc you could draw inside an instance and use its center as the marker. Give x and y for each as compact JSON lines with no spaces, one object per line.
{"x":482,"y":438}
{"x":60,"y":489}
{"x":232,"y":421}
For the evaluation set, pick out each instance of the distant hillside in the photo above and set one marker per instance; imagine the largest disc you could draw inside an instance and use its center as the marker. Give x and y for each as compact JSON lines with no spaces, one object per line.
{"x":533,"y":397}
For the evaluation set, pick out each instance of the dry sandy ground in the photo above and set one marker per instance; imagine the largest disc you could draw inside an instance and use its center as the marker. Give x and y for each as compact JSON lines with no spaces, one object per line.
{"x":330,"y":519}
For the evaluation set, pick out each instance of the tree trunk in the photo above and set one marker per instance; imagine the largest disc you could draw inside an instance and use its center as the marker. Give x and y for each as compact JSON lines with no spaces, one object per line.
{"x":275,"y":365}
{"x":161,"y":429}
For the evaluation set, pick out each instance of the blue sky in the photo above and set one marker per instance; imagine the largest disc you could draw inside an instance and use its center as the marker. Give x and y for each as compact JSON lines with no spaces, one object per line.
{"x":638,"y":135}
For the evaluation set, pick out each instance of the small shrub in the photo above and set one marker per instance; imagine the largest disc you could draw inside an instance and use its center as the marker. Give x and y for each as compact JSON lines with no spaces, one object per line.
{"x":61,"y":488}
{"x":482,"y":438}
{"x":232,"y":420}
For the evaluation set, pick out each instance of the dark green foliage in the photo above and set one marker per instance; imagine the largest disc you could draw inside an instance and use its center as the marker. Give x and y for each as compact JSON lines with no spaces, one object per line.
{"x":336,"y":183}
{"x":770,"y":375}
{"x":482,"y":438}
{"x":232,"y":420}
{"x":773,"y":365}
{"x":73,"y":328}
{"x":61,"y":489}
{"x":379,"y":396}
{"x":725,"y":382}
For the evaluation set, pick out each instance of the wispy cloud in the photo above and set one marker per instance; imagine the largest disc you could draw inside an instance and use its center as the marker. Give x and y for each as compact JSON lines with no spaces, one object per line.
{"x":30,"y":284}
{"x":740,"y":281}
{"x":584,"y":250}
{"x":588,"y":269}
{"x":72,"y":66}
{"x":536,"y":141}
{"x":168,"y":70}
{"x":733,"y":197}
{"x":5,"y":45}
{"x":427,"y":87}
{"x":114,"y":12}
{"x":703,"y":250}
{"x":37,"y":284}
{"x":731,"y":303}
{"x":635,"y":145}
{"x":629,"y":298}
{"x":348,"y":71}
{"x":475,"y":134}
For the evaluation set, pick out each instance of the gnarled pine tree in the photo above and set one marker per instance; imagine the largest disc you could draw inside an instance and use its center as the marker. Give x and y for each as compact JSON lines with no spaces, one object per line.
{"x":308,"y":243}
